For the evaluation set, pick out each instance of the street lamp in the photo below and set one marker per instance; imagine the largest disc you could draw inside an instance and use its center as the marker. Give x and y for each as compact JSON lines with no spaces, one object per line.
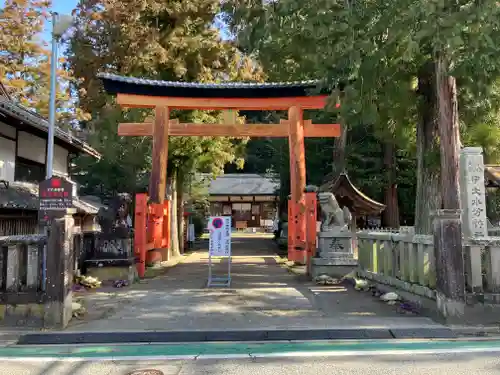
{"x":60,"y":23}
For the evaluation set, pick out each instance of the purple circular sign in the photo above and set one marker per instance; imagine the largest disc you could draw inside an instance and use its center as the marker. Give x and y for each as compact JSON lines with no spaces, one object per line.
{"x":217,"y":223}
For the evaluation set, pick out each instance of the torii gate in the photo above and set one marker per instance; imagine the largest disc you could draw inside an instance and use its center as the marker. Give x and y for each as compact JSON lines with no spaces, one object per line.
{"x":163,"y":96}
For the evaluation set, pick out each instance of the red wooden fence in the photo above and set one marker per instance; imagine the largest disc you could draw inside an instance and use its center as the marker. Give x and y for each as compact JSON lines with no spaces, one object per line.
{"x":311,"y":218}
{"x":151,"y":232}
{"x":303,"y":256}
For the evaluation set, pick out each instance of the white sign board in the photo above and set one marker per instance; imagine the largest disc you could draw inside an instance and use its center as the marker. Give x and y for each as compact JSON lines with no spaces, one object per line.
{"x":191,"y":233}
{"x":220,"y":236}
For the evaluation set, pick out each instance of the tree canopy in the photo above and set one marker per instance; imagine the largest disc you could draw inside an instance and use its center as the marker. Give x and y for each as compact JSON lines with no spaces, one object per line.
{"x":382,"y":60}
{"x":173,"y":40}
{"x":25,"y":62}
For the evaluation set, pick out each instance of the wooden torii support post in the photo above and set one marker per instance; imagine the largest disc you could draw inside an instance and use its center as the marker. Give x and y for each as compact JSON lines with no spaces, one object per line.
{"x":163,"y":96}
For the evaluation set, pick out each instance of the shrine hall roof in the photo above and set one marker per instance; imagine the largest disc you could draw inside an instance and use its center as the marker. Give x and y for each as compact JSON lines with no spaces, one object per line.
{"x":115,"y":84}
{"x":359,"y":203}
{"x":243,"y":184}
{"x":492,"y":175}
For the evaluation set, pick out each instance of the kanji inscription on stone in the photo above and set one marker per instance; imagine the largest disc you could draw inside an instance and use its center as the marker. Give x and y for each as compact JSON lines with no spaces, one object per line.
{"x":473,"y":193}
{"x":336,"y":245}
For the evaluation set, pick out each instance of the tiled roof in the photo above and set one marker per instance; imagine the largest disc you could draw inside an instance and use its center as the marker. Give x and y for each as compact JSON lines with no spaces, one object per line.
{"x":13,"y":109}
{"x":243,"y":184}
{"x":492,"y":175}
{"x":115,"y":84}
{"x":223,"y":85}
{"x":360,"y":203}
{"x":24,"y":196}
{"x":19,"y":195}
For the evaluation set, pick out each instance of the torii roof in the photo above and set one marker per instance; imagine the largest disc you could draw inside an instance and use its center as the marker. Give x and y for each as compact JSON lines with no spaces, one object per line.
{"x":115,"y":84}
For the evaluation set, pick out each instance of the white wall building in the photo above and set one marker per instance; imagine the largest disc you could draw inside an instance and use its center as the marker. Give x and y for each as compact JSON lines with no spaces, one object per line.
{"x":23,"y":150}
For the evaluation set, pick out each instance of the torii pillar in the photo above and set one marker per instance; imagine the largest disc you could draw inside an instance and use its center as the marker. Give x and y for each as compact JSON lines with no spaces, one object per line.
{"x":297,"y":250}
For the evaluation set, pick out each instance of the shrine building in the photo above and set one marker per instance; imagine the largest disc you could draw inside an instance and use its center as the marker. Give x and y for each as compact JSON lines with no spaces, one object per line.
{"x":250,"y":199}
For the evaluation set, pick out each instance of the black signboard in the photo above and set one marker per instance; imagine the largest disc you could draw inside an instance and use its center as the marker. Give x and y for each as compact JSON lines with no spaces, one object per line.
{"x":55,"y":194}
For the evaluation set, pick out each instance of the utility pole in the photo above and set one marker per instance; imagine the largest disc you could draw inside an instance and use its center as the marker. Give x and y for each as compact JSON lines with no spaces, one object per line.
{"x":60,"y":23}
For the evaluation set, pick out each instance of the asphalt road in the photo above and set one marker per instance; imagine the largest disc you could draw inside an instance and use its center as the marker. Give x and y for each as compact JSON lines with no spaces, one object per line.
{"x":442,"y":364}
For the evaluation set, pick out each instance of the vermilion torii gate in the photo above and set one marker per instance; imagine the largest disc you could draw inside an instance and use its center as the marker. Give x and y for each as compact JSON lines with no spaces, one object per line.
{"x":163,"y":96}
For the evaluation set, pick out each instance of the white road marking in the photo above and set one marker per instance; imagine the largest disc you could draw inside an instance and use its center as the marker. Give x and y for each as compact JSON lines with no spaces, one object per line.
{"x":341,"y":353}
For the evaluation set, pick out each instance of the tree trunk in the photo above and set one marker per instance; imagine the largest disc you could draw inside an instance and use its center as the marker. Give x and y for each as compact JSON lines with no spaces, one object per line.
{"x":180,"y":210}
{"x":450,"y":278}
{"x":339,"y":160}
{"x":428,"y":197}
{"x":449,"y":134}
{"x":174,"y":227}
{"x":391,"y":212}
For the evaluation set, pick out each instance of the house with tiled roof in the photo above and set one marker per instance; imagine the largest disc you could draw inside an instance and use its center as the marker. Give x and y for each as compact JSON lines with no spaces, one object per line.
{"x":23,"y":150}
{"x":250,"y":199}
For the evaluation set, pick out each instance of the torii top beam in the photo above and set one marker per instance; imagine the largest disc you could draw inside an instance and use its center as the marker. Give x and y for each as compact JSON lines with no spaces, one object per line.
{"x":146,"y":93}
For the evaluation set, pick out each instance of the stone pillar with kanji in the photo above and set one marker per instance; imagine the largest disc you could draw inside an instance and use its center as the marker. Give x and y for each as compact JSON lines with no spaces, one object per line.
{"x":473,"y":193}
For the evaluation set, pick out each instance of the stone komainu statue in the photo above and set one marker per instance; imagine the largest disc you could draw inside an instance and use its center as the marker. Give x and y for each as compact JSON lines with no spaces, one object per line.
{"x":333,"y":217}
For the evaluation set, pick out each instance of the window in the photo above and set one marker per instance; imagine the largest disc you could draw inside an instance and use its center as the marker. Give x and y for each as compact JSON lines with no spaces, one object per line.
{"x":226,"y":209}
{"x":29,"y":171}
{"x":242,"y":206}
{"x":215,"y":209}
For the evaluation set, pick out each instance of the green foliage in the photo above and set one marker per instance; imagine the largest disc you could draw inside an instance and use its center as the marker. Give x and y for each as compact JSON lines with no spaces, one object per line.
{"x":377,"y":49}
{"x":25,"y":62}
{"x":493,"y":206}
{"x":22,"y":54}
{"x":169,"y":40}
{"x":197,"y":203}
{"x":125,"y":162}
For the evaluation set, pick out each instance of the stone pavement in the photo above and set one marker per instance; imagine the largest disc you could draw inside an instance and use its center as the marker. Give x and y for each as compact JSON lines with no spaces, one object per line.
{"x":263,"y":295}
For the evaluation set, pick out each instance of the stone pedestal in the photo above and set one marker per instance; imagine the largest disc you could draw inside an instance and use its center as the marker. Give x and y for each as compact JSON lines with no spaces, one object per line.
{"x":335,"y":255}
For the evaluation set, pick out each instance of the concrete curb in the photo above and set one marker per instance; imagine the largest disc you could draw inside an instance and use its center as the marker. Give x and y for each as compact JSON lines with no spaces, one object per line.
{"x":477,"y":331}
{"x":80,"y":338}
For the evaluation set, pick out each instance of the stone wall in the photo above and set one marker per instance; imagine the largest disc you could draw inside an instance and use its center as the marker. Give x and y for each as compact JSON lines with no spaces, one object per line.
{"x":36,"y":274}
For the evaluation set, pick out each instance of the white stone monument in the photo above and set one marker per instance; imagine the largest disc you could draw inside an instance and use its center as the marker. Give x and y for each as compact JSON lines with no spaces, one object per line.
{"x":473,"y":193}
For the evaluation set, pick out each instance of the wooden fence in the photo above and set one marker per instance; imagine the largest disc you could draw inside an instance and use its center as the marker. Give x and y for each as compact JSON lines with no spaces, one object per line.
{"x":404,"y":261}
{"x":21,"y":269}
{"x":407,"y":262}
{"x":21,"y":225}
{"x":482,"y":265}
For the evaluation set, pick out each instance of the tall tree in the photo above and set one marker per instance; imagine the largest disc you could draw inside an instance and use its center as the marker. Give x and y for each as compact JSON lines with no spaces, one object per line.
{"x":25,"y":62}
{"x":21,"y":54}
{"x":169,"y":40}
{"x":382,"y":53}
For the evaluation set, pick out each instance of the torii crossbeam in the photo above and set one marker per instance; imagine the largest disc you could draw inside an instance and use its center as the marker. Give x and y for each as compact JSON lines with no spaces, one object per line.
{"x":164,"y":96}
